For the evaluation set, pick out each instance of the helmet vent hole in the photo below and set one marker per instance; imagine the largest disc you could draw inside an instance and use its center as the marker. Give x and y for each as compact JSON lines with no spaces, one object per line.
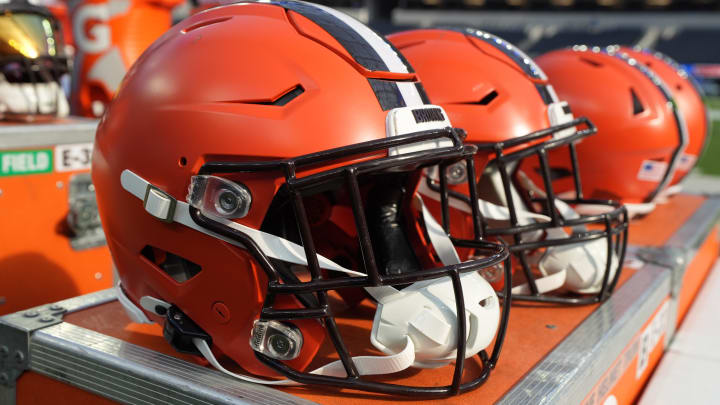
{"x":591,"y":62}
{"x":487,"y":302}
{"x":205,"y":24}
{"x":289,"y":96}
{"x":279,"y":101}
{"x":637,"y":104}
{"x":178,"y":268}
{"x":488,"y":98}
{"x":182,"y":162}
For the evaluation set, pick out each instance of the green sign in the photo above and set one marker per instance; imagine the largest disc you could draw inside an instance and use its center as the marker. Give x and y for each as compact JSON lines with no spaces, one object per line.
{"x":13,"y":163}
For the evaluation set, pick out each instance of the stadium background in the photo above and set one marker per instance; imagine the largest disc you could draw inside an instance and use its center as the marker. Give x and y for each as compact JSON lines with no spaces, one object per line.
{"x":688,"y":31}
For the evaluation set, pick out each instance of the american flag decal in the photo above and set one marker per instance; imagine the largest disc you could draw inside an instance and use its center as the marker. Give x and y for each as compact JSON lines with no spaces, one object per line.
{"x":686,"y":162}
{"x":651,"y":170}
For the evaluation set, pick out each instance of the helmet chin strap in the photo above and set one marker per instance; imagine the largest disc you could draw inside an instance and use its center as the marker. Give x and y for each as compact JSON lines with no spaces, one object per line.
{"x":578,"y":267}
{"x":584,"y":263}
{"x":366,"y":365}
{"x":633,"y":209}
{"x":668,"y":192}
{"x":425,"y":328}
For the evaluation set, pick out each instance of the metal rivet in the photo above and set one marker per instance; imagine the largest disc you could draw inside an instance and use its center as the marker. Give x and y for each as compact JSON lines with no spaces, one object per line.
{"x":550,"y":326}
{"x":47,"y":319}
{"x":30,"y":314}
{"x":4,"y":378}
{"x":177,"y":317}
{"x":56,"y":307}
{"x":4,"y":351}
{"x":59,"y":184}
{"x":98,"y":276}
{"x":19,"y":356}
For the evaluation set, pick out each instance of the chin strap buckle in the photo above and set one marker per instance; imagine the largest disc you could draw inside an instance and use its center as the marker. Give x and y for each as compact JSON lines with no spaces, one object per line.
{"x":180,"y":331}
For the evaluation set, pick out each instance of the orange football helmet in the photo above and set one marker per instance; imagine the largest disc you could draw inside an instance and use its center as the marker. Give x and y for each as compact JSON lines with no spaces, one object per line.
{"x":641,"y":133}
{"x":230,"y":189}
{"x":503,"y":100}
{"x":688,"y":96}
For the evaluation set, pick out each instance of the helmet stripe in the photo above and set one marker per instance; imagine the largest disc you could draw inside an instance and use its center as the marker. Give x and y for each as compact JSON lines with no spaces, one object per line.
{"x":368,"y":49}
{"x":520,"y":58}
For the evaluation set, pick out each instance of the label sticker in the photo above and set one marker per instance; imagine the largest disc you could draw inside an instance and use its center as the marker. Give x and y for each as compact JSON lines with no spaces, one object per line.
{"x":651,"y":170}
{"x":16,"y":163}
{"x":639,"y":350}
{"x":77,"y":156}
{"x":686,"y":162}
{"x":651,"y":337}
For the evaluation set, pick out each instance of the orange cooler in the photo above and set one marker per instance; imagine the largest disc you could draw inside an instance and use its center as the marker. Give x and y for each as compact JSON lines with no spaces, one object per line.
{"x":51,"y":244}
{"x":109,"y":36}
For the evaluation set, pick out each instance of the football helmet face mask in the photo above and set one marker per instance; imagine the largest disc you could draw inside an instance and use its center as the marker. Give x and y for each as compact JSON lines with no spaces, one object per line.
{"x":641,"y":133}
{"x":238,"y":210}
{"x":32,"y":63}
{"x":688,"y":96}
{"x":510,"y":112}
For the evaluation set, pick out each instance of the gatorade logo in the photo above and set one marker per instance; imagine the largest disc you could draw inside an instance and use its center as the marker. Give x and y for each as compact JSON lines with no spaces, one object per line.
{"x":16,"y":163}
{"x":97,"y":37}
{"x":91,"y":27}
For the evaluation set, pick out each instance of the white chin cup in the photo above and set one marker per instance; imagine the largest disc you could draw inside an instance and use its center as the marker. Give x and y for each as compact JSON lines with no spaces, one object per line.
{"x":28,"y":98}
{"x":584,"y":264}
{"x":426,"y":312}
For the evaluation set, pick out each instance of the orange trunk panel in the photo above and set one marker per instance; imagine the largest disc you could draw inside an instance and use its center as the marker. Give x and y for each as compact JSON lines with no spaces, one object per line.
{"x":533,"y":331}
{"x":655,"y":229}
{"x":696,"y":273}
{"x":37,"y":263}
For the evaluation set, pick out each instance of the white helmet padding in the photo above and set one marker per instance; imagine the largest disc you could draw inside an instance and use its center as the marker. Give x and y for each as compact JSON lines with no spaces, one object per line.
{"x":32,"y":98}
{"x":577,"y":267}
{"x":426,"y":313}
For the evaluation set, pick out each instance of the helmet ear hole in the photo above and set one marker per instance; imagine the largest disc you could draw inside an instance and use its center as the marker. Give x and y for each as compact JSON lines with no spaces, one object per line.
{"x":178,"y":268}
{"x":591,"y":62}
